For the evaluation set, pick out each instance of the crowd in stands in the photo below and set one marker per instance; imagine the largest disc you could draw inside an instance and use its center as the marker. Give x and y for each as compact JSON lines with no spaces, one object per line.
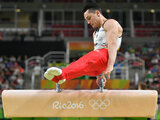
{"x":150,"y":53}
{"x":11,"y":72}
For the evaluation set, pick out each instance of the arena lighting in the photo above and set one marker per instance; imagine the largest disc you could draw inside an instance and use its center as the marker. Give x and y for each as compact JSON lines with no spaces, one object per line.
{"x":18,"y":10}
{"x":108,"y":10}
{"x":152,"y":10}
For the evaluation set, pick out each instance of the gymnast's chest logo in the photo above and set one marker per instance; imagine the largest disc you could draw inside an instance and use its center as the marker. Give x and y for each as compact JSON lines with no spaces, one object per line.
{"x":98,"y":104}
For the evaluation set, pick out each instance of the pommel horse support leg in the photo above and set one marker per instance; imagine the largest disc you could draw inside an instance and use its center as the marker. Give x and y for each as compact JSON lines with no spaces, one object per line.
{"x":79,"y":103}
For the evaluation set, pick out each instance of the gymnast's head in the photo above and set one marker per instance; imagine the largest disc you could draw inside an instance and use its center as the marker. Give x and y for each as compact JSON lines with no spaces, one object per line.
{"x":93,"y":15}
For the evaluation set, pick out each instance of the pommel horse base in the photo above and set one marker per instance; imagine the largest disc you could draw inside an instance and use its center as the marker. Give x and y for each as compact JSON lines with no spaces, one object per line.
{"x":79,"y":103}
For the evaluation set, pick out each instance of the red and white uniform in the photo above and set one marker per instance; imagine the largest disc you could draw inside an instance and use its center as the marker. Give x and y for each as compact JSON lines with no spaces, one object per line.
{"x":100,"y":39}
{"x":93,"y":63}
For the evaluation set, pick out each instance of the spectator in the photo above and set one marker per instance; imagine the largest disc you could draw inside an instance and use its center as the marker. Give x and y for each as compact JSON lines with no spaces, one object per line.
{"x":118,"y":71}
{"x":127,"y":55}
{"x":11,"y":73}
{"x":142,"y":86}
{"x":20,"y":82}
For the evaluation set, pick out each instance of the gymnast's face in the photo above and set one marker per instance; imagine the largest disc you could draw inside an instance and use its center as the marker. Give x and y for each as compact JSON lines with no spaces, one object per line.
{"x":93,"y":18}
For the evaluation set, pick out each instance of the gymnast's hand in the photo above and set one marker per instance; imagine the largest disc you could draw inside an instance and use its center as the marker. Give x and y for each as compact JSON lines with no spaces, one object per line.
{"x":107,"y":72}
{"x":98,"y":80}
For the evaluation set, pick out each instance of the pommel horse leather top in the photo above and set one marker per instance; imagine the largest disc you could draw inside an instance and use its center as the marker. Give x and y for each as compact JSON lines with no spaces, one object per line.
{"x":79,"y":103}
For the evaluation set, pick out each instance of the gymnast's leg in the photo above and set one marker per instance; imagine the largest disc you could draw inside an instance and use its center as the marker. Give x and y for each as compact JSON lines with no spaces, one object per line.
{"x":92,"y":64}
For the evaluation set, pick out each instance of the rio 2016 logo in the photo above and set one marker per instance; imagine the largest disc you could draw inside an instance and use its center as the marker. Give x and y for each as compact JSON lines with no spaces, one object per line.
{"x":68,"y":105}
{"x":95,"y":104}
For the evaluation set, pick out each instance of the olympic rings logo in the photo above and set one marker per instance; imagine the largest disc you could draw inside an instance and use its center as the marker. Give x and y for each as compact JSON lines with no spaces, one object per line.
{"x":99,"y":104}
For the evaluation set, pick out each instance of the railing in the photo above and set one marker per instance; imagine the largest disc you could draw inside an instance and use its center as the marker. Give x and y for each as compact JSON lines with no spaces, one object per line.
{"x":134,"y":62}
{"x":54,"y":56}
{"x":136,"y":69}
{"x":32,"y":62}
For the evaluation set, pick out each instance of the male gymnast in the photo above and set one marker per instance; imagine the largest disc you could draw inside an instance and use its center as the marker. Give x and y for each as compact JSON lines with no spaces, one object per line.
{"x":99,"y":62}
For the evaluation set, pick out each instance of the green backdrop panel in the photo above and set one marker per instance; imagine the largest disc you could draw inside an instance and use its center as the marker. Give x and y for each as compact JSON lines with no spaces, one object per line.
{"x":1,"y":114}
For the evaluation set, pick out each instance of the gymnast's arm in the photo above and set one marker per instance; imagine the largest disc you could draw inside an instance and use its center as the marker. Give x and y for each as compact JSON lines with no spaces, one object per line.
{"x":113,"y":31}
{"x":98,"y":77}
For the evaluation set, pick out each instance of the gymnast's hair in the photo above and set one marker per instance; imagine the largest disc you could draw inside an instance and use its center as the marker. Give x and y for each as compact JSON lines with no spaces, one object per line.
{"x":92,"y":7}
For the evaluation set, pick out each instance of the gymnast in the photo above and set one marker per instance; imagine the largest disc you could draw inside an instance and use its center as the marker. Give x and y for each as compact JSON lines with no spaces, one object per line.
{"x":99,"y":62}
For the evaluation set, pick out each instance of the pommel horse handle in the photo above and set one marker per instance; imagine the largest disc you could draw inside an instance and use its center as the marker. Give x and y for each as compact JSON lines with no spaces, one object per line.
{"x":58,"y":88}
{"x":101,"y":88}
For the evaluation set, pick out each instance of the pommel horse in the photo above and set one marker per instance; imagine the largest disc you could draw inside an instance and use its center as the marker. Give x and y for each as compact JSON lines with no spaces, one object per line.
{"x":79,"y":103}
